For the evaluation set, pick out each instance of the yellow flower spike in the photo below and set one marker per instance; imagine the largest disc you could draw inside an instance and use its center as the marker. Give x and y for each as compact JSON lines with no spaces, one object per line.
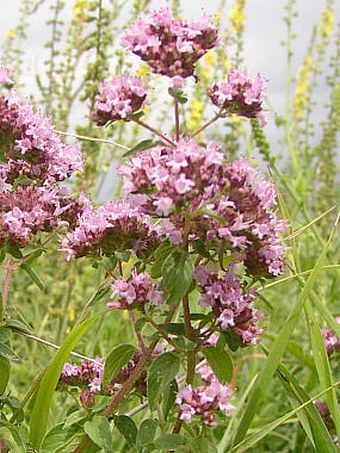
{"x":71,"y":314}
{"x":80,"y":10}
{"x":237,"y":17}
{"x":10,"y":35}
{"x":196,"y":113}
{"x":302,"y":86}
{"x":327,"y":22}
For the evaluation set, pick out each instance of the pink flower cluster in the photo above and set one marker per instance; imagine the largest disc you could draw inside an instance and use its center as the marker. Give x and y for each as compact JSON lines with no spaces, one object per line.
{"x":332,"y":341}
{"x":31,"y":147}
{"x":28,"y":210}
{"x":117,"y":226}
{"x":33,"y":162}
{"x":118,"y":99}
{"x":205,"y":400}
{"x":170,"y":47}
{"x":135,"y":292}
{"x":88,"y":375}
{"x":240,"y":95}
{"x":231,"y":304}
{"x":226,"y":202}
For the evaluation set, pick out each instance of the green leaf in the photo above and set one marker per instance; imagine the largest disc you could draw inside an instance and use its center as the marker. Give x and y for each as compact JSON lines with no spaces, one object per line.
{"x":147,"y":431}
{"x":170,"y":442}
{"x":162,"y":371}
{"x":322,"y":364}
{"x":141,"y":146}
{"x":99,"y":431}
{"x":5,"y":371}
{"x":309,"y":418}
{"x":253,"y":439}
{"x":2,"y":254}
{"x":117,"y":358}
{"x":162,"y":252}
{"x":33,"y":275}
{"x":49,"y":382}
{"x":17,"y":326}
{"x":75,"y":417}
{"x":169,"y":397}
{"x":128,"y":428}
{"x":220,"y":362}
{"x":278,"y":349}
{"x":202,"y":445}
{"x":177,"y":272}
{"x":58,"y":437}
{"x":178,"y":95}
{"x":14,"y":251}
{"x":231,"y":340}
{"x":174,"y":328}
{"x":6,"y":352}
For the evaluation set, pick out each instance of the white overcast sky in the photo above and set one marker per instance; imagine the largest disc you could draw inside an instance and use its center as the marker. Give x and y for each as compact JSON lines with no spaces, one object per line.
{"x":265,"y":30}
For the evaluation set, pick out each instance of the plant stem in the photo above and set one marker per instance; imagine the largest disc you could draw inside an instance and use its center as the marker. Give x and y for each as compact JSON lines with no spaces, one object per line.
{"x":126,"y":387}
{"x":201,"y":129}
{"x":177,"y":129}
{"x":138,"y":334}
{"x":154,"y":131}
{"x":8,"y":277}
{"x":93,"y":139}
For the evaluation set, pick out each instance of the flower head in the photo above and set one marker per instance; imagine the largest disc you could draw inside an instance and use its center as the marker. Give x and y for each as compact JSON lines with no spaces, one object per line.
{"x":240,"y":95}
{"x":171,"y":47}
{"x":118,"y":99}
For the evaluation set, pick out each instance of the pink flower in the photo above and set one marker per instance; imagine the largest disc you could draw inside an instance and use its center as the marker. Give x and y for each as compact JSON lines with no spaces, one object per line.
{"x":171,"y":47}
{"x":240,"y":95}
{"x":118,"y":99}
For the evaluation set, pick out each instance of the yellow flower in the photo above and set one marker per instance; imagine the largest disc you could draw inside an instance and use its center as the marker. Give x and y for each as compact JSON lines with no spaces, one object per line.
{"x":237,"y":17}
{"x":10,"y":34}
{"x":327,"y":21}
{"x":80,"y":10}
{"x":143,"y":70}
{"x":71,"y":314}
{"x":302,"y":86}
{"x":207,"y":64}
{"x":196,"y":113}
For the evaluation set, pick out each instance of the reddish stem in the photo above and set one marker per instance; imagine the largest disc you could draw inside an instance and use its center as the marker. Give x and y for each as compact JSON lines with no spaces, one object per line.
{"x":5,"y":289}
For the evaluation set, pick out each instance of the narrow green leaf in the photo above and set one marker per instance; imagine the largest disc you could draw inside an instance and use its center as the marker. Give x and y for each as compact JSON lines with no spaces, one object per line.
{"x":322,"y":365}
{"x":174,"y":328}
{"x":177,"y":272}
{"x":264,"y":431}
{"x":117,"y":358}
{"x":220,"y":362}
{"x":278,"y":349}
{"x":5,"y":371}
{"x":6,"y":352}
{"x":75,"y":417}
{"x":162,"y":371}
{"x":141,"y":146}
{"x":33,"y":276}
{"x":99,"y":431}
{"x":309,"y":418}
{"x":128,"y":428}
{"x":147,"y":431}
{"x":49,"y":382}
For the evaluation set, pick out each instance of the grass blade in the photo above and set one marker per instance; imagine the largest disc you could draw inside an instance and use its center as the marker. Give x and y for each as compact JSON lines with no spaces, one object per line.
{"x":255,"y":438}
{"x":279,"y":348}
{"x":49,"y":382}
